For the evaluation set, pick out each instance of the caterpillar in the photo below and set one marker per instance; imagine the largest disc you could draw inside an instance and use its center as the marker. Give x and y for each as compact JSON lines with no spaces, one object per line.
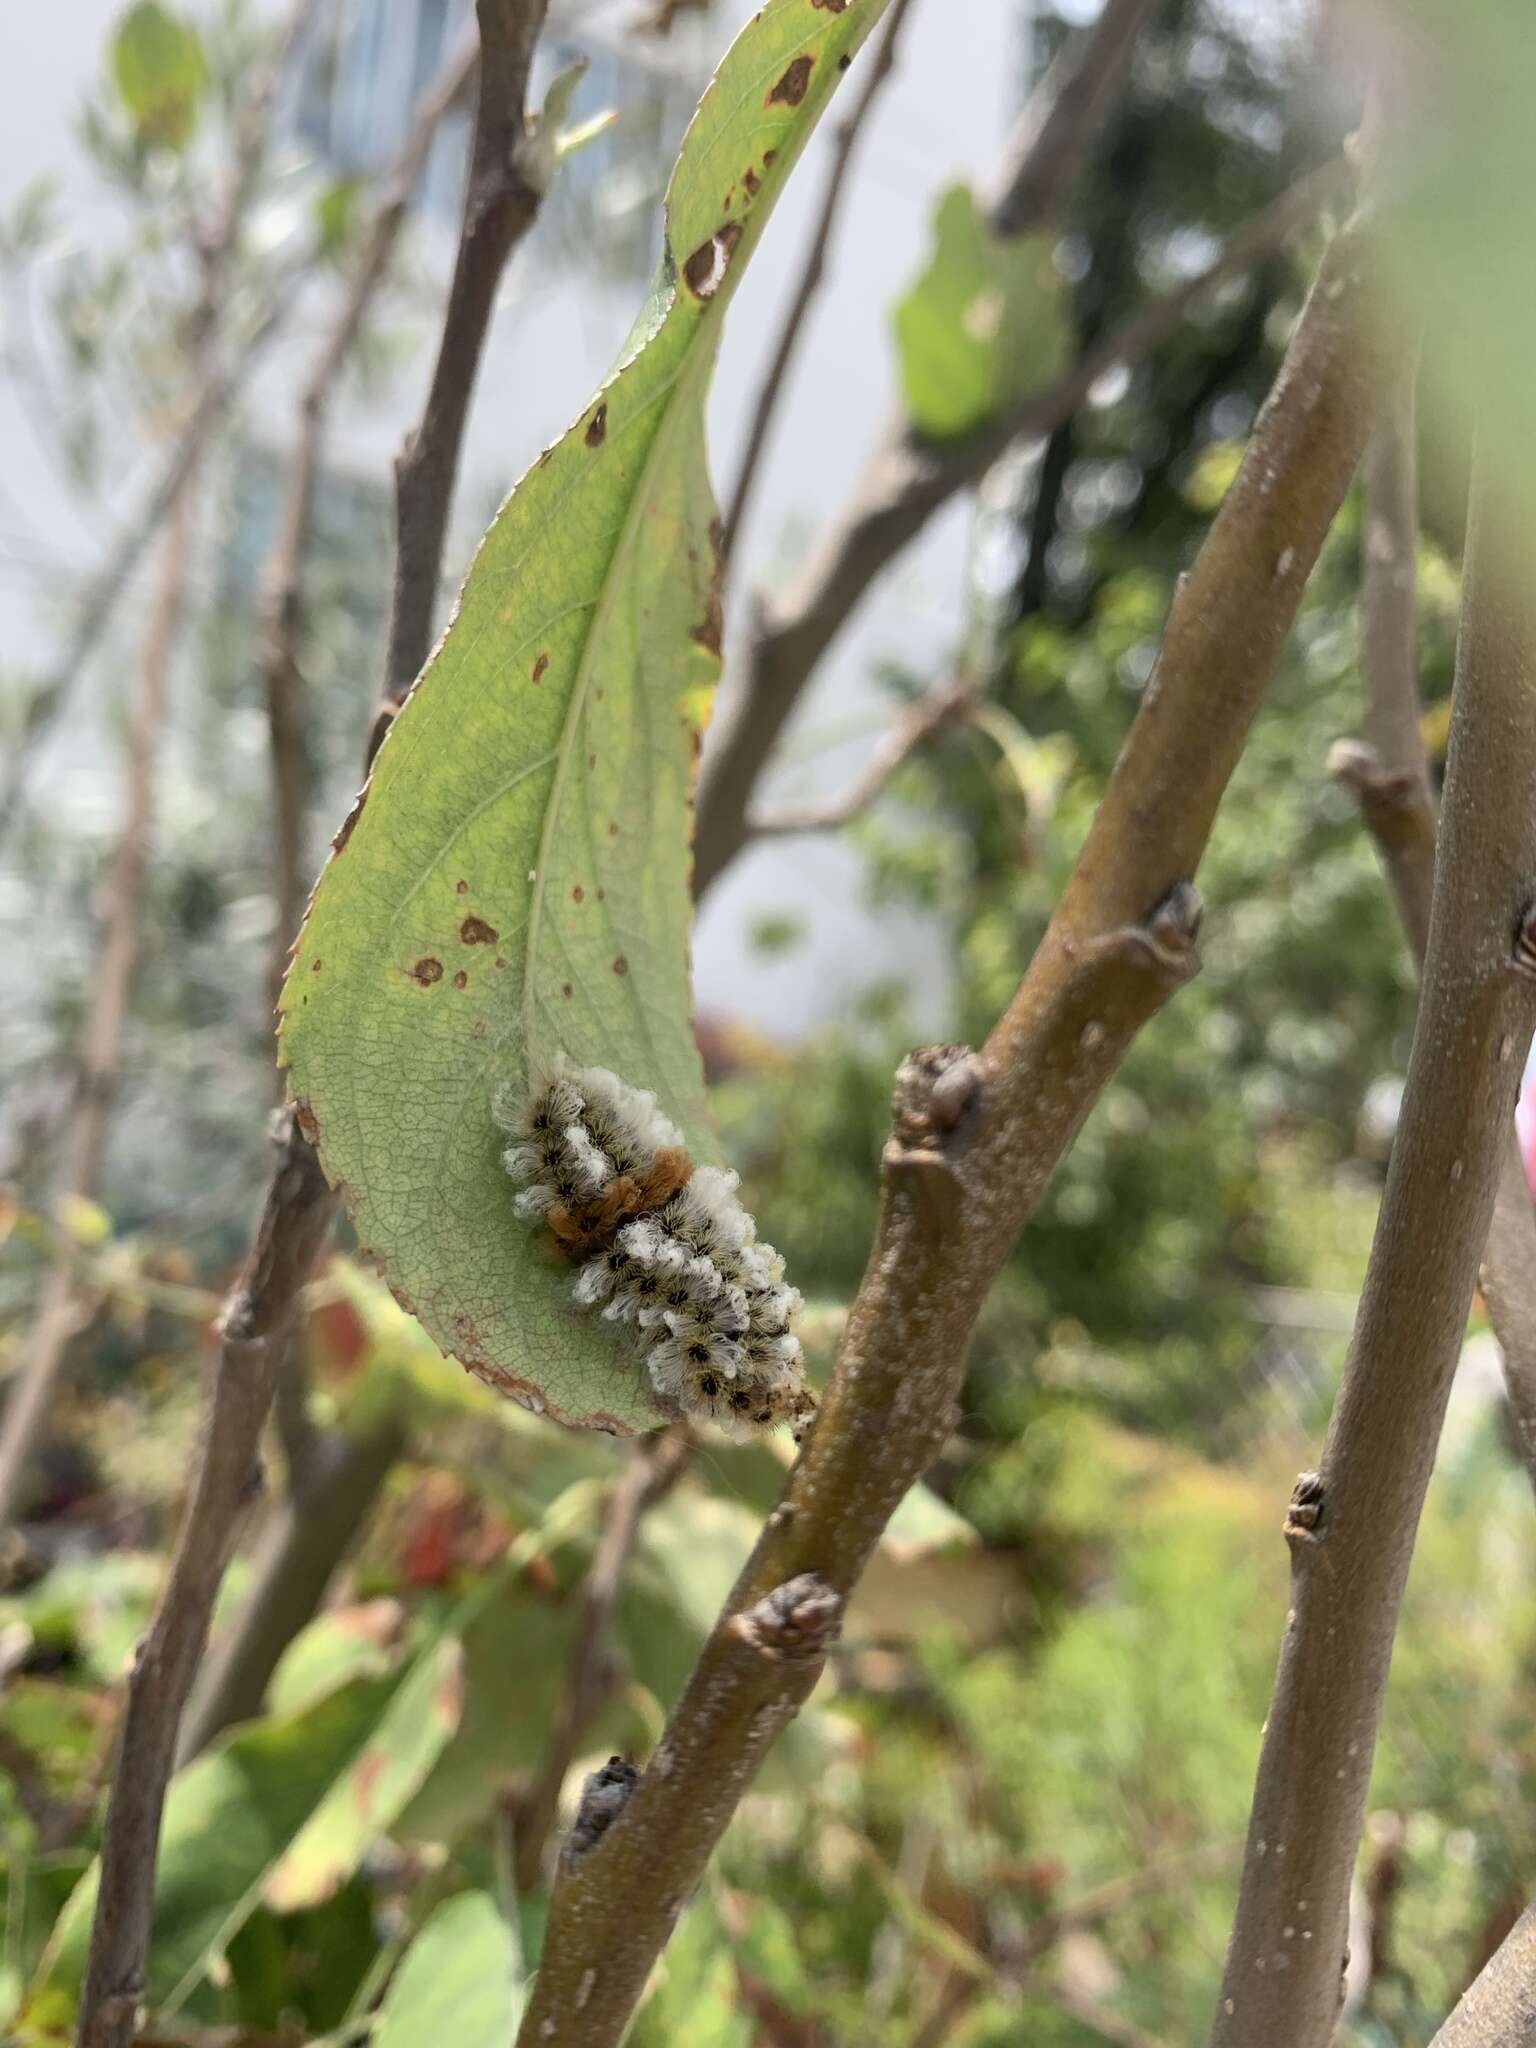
{"x":662,"y":1247}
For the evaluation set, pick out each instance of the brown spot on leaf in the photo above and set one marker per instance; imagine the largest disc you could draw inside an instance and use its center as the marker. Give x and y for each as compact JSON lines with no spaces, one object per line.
{"x":461,"y":888}
{"x":461,"y":979}
{"x":339,"y":843}
{"x":578,"y":894}
{"x":844,"y":61}
{"x":790,"y":90}
{"x":751,"y":180}
{"x":566,"y":990}
{"x":599,"y":895}
{"x":478,"y":1027}
{"x":621,"y":965}
{"x":316,"y":966}
{"x":613,"y":830}
{"x":426,"y":971}
{"x":597,"y":427}
{"x":306,"y":1122}
{"x":768,"y":157}
{"x":499,"y":961}
{"x":591,"y":761}
{"x":474,"y":931}
{"x":599,"y":695}
{"x":704,"y":271}
{"x":539,"y":667}
{"x":709,"y":629}
{"x":830,"y":6}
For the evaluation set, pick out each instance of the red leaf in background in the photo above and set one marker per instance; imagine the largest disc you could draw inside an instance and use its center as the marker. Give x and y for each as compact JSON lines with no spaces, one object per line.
{"x":338,"y":1335}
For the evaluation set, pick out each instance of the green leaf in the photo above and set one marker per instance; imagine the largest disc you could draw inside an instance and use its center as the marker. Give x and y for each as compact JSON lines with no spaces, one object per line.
{"x":461,"y":1981}
{"x":334,"y":1650}
{"x":160,"y":73}
{"x":366,"y":1799}
{"x":1455,"y":229}
{"x":515,"y":878}
{"x":228,"y":1818}
{"x":985,"y":323}
{"x":694,"y":2000}
{"x":336,"y":210}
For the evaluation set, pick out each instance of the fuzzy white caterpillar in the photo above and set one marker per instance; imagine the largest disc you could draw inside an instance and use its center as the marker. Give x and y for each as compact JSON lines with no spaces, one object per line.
{"x":662,"y":1247}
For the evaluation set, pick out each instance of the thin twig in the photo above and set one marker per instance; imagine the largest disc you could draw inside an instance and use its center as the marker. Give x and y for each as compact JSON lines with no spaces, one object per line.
{"x":501,"y":197}
{"x":1499,"y":2009}
{"x":219,"y":383}
{"x":1389,"y":774}
{"x":975,"y":1139}
{"x":325,"y":1505}
{"x":845,"y":136}
{"x":902,"y":485}
{"x":290,"y":1239}
{"x":333,"y":1477}
{"x":655,"y":1466}
{"x":294,"y":1227}
{"x":1352,"y":1524}
{"x":282,"y":581}
{"x":1044,"y":156}
{"x":943,"y":705}
{"x":62,"y":1307}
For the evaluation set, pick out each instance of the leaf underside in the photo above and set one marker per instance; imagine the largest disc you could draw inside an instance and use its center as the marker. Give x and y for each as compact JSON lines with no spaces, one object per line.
{"x":515,"y":879}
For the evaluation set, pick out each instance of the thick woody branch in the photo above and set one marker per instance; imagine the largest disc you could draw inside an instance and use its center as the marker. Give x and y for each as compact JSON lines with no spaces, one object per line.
{"x":501,"y":197}
{"x":1389,"y":774}
{"x":974,"y":1140}
{"x":1499,"y":2009}
{"x":1353,"y":1523}
{"x":902,"y":485}
{"x":282,"y":591}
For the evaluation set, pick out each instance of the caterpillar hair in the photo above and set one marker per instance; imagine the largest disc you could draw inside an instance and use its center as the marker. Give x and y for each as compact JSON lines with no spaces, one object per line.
{"x":662,"y":1247}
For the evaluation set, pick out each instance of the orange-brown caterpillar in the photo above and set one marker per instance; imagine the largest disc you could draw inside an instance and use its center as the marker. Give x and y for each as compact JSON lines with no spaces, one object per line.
{"x":661,"y":1246}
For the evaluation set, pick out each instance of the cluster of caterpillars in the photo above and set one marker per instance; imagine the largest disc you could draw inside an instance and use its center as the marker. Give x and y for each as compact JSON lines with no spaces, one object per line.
{"x":662,"y":1247}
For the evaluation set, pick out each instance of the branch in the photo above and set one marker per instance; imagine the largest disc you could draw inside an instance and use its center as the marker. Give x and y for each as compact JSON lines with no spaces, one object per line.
{"x":1352,"y":1524}
{"x":294,"y":1226}
{"x":282,"y":593}
{"x":844,"y":136}
{"x":654,"y":1468}
{"x":904,"y":482}
{"x":943,"y":705}
{"x":975,"y":1138}
{"x":294,"y":1561}
{"x":1499,"y":2009}
{"x":1389,"y":775}
{"x":1045,"y":154}
{"x":505,"y":185}
{"x":292,"y":1234}
{"x":61,"y":1308}
{"x":216,"y":389}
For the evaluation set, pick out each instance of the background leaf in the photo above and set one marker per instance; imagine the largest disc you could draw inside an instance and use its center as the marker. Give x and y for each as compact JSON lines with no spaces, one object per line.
{"x":228,"y":1818}
{"x":985,"y":323}
{"x":516,"y":877}
{"x":160,"y":73}
{"x":461,"y":1981}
